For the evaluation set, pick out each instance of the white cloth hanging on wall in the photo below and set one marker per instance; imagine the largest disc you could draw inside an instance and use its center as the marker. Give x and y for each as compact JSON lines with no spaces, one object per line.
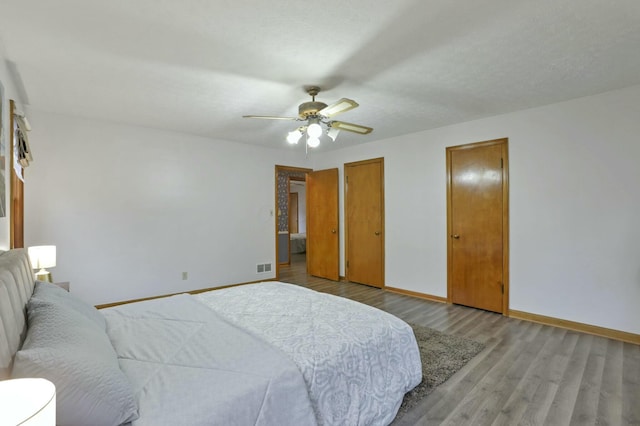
{"x":21,"y":149}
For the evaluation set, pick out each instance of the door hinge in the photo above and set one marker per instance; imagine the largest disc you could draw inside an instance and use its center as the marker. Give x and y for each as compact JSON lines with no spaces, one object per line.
{"x":501,"y":163}
{"x":502,"y":288}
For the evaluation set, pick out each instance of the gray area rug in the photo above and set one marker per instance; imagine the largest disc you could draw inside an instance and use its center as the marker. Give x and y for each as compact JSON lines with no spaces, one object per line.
{"x":442,"y":355}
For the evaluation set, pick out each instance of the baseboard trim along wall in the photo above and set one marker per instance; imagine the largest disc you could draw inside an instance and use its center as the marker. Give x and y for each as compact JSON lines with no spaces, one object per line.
{"x":417,"y":294}
{"x":202,"y":290}
{"x":541,"y":319}
{"x":577,"y":326}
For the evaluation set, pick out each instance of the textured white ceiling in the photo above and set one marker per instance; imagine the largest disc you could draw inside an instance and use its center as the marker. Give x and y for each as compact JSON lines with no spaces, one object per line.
{"x":197,"y":66}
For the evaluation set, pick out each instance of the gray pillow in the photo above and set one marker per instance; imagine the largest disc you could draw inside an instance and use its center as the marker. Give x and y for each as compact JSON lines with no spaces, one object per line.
{"x":75,"y":353}
{"x":44,"y":292}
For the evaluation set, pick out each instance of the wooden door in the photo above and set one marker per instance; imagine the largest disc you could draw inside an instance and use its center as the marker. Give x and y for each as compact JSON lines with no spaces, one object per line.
{"x":364,"y":206}
{"x":293,"y":212}
{"x":478,"y":225}
{"x":323,"y":246}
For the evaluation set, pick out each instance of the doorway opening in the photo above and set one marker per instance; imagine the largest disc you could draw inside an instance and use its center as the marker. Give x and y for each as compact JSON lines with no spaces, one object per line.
{"x":297,"y":223}
{"x":322,"y":247}
{"x":290,"y":180}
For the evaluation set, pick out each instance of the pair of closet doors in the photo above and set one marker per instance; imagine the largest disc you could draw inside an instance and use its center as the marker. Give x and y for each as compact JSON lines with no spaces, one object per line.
{"x":363,"y":225}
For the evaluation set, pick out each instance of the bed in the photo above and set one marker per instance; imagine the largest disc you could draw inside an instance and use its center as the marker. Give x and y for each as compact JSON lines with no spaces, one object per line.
{"x":260,"y":354}
{"x":298,"y":243}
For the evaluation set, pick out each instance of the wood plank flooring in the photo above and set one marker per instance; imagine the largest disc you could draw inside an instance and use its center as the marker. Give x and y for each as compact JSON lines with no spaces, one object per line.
{"x":528,"y":374}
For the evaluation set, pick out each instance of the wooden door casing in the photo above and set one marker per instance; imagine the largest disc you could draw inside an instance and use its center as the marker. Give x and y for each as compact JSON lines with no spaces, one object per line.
{"x":364,"y":222}
{"x":323,"y":244}
{"x":16,"y":190}
{"x":477,"y":208}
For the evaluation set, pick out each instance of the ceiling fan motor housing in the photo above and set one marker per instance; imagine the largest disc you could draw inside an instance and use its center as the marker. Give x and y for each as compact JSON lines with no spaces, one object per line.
{"x":307,"y":109}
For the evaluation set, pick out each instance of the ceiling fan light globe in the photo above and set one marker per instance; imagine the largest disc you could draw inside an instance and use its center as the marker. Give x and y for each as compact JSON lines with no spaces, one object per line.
{"x":313,"y":142}
{"x":294,"y":137}
{"x":314,"y":130}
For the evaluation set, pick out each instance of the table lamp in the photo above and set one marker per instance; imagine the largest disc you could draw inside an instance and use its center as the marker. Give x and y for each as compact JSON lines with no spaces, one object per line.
{"x":43,"y":257}
{"x":29,"y":402}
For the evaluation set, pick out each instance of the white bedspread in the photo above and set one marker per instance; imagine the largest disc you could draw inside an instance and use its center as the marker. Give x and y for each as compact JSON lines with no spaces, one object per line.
{"x":190,"y":367}
{"x":357,"y":361}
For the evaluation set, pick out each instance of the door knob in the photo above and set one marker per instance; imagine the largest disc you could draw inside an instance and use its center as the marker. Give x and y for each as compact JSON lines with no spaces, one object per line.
{"x":377,"y":232}
{"x":456,"y":236}
{"x":333,"y":231}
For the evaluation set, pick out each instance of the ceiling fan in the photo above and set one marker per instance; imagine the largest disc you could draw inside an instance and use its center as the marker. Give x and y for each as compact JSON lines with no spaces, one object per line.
{"x":318,"y":115}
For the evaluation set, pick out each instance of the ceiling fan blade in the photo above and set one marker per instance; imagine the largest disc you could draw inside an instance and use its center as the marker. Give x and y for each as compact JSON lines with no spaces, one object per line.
{"x":270,"y":117}
{"x":350,"y":127}
{"x":339,"y":107}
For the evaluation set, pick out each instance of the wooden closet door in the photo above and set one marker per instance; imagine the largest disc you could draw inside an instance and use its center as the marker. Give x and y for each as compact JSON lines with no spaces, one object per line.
{"x":364,"y":205}
{"x":477,"y":222}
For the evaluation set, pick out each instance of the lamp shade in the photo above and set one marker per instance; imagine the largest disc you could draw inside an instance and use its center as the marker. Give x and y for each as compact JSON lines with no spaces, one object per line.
{"x":333,"y":133}
{"x":28,"y":402}
{"x":42,"y":256}
{"x":294,"y":137}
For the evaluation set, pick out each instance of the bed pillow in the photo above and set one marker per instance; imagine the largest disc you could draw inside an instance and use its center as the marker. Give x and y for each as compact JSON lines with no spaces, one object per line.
{"x":75,"y":353}
{"x":45,"y":292}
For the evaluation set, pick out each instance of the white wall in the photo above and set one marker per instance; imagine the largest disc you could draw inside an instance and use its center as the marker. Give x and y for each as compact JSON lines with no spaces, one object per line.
{"x":130,"y":208}
{"x":574,"y":206}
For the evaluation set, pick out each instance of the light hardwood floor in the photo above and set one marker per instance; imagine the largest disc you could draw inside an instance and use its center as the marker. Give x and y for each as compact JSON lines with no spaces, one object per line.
{"x":528,"y":374}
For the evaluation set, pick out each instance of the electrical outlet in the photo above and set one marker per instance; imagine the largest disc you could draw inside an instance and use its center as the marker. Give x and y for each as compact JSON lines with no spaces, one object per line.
{"x":185,"y":275}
